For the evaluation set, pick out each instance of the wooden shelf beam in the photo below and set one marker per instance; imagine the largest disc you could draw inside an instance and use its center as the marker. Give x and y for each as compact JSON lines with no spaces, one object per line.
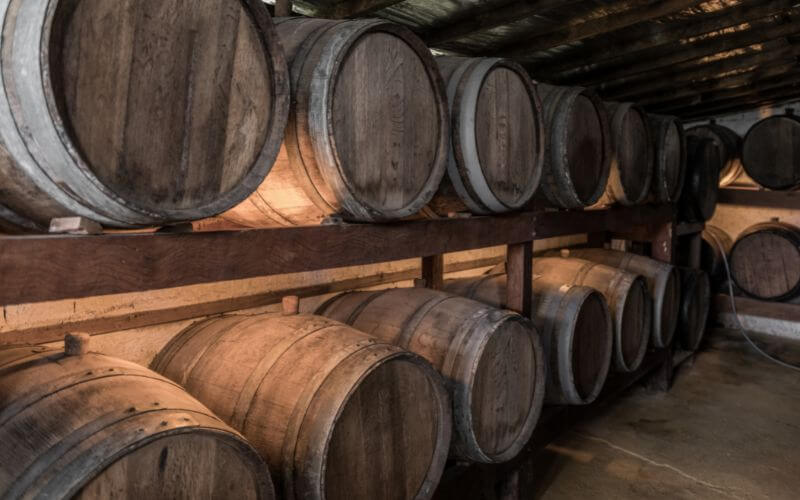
{"x":43,"y":268}
{"x":760,"y":198}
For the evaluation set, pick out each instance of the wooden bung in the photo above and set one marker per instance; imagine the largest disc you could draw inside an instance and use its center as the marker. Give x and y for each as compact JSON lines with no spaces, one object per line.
{"x":491,"y":359}
{"x":698,"y":200}
{"x":730,"y":149}
{"x":92,"y":426}
{"x":771,"y":152}
{"x":626,"y":294}
{"x":368,"y":134}
{"x":695,"y":304}
{"x":575,"y":326}
{"x":632,"y":157}
{"x":765,"y":261}
{"x":577,"y":158}
{"x":336,"y":413}
{"x":136,"y":113}
{"x":663,"y":282}
{"x":669,"y":173}
{"x":497,"y":145}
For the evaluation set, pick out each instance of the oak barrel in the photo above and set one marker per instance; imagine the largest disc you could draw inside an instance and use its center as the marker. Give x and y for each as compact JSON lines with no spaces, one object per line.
{"x":669,"y":140}
{"x":497,"y":144}
{"x":632,"y":155}
{"x":730,"y":149}
{"x":715,"y":247}
{"x":574,"y":323}
{"x":771,"y":152}
{"x":578,"y":154}
{"x":336,"y":413}
{"x":92,"y":426}
{"x":368,"y":134}
{"x":137,"y":113}
{"x":627,"y":297}
{"x":698,"y":200}
{"x":695,"y":304}
{"x":663,"y":283}
{"x":765,"y":261}
{"x":491,"y":360}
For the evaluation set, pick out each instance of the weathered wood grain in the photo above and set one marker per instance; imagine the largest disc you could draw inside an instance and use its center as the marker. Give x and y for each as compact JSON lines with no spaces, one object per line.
{"x":91,"y":426}
{"x":698,"y":200}
{"x":771,"y":152}
{"x":669,"y":171}
{"x":336,"y":413}
{"x":695,"y":305}
{"x":492,"y":360}
{"x":765,"y":261}
{"x":632,"y":158}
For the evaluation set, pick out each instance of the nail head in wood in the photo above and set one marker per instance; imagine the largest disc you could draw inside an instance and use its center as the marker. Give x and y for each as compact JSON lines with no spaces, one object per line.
{"x":291,"y":305}
{"x":76,"y":344}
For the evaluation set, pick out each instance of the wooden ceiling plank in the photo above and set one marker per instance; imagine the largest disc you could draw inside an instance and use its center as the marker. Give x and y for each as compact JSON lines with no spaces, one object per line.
{"x":631,"y":12}
{"x":343,"y":9}
{"x":488,"y":15}
{"x":737,"y":103}
{"x":648,"y":35}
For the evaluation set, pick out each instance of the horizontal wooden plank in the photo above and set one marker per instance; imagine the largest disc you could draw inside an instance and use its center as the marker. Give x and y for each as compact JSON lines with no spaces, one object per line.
{"x":760,"y":198}
{"x":42,"y":268}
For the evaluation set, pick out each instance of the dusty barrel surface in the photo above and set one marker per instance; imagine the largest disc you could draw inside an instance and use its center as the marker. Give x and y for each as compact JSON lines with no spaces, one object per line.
{"x":771,"y":152}
{"x":92,"y":426}
{"x":578,"y":154}
{"x":715,"y":247}
{"x":627,"y":297}
{"x":699,"y":198}
{"x":137,"y":112}
{"x":669,"y":140}
{"x":368,"y":134}
{"x":491,"y":360}
{"x":695,"y":304}
{"x":765,"y":261}
{"x":730,"y":149}
{"x":318,"y":399}
{"x":663,"y":283}
{"x":632,"y":157}
{"x":574,"y":323}
{"x":497,"y":141}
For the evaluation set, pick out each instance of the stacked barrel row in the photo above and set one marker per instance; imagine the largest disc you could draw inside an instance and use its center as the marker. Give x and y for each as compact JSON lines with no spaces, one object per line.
{"x":315,"y":407}
{"x":293,"y":122}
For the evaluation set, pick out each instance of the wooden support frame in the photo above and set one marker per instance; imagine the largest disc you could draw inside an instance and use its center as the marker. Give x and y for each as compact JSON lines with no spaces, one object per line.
{"x":519,"y":266}
{"x":760,"y":198}
{"x":433,"y":271}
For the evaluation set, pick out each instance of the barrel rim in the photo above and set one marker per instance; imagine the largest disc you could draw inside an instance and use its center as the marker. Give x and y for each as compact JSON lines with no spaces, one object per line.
{"x":782,"y":229}
{"x":748,"y":168}
{"x":662,"y":281}
{"x":699,"y":283}
{"x":615,"y":186}
{"x":638,"y":281}
{"x":663,"y":192}
{"x":279,"y":80}
{"x":320,"y":120}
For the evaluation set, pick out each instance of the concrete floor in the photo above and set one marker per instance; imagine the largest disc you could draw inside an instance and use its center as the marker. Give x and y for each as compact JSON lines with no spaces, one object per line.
{"x":729,"y":428}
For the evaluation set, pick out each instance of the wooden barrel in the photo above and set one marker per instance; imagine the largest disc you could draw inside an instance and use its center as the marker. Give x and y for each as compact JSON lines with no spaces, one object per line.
{"x":730,"y":149}
{"x":711,"y":256}
{"x":577,"y":159}
{"x":663,"y":282}
{"x":91,"y":426}
{"x":497,"y":144}
{"x":669,"y":172}
{"x":574,"y":323}
{"x":491,"y":359}
{"x":699,"y":197}
{"x":336,"y":413}
{"x":137,"y":113}
{"x":368,"y":134}
{"x":771,"y":152}
{"x":632,"y":155}
{"x":627,"y":297}
{"x":765,"y":261}
{"x":695,"y":304}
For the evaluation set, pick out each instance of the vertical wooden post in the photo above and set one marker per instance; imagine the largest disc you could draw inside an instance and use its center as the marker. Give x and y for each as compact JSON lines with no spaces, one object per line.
{"x":519,"y":265}
{"x":283,"y":8}
{"x":433,"y":271}
{"x":663,"y":244}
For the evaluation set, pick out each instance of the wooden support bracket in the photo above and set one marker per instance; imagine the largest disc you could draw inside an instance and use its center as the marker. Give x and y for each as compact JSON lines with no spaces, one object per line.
{"x":433,"y":271}
{"x":519,"y":265}
{"x":663,"y":243}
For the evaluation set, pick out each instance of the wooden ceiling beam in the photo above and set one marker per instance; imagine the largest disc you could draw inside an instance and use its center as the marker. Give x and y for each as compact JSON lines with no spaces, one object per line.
{"x":670,"y":55}
{"x":489,"y":15}
{"x":342,"y":10}
{"x":648,"y":35}
{"x":685,"y":74}
{"x":630,"y":12}
{"x":755,"y":99}
{"x":746,"y":79}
